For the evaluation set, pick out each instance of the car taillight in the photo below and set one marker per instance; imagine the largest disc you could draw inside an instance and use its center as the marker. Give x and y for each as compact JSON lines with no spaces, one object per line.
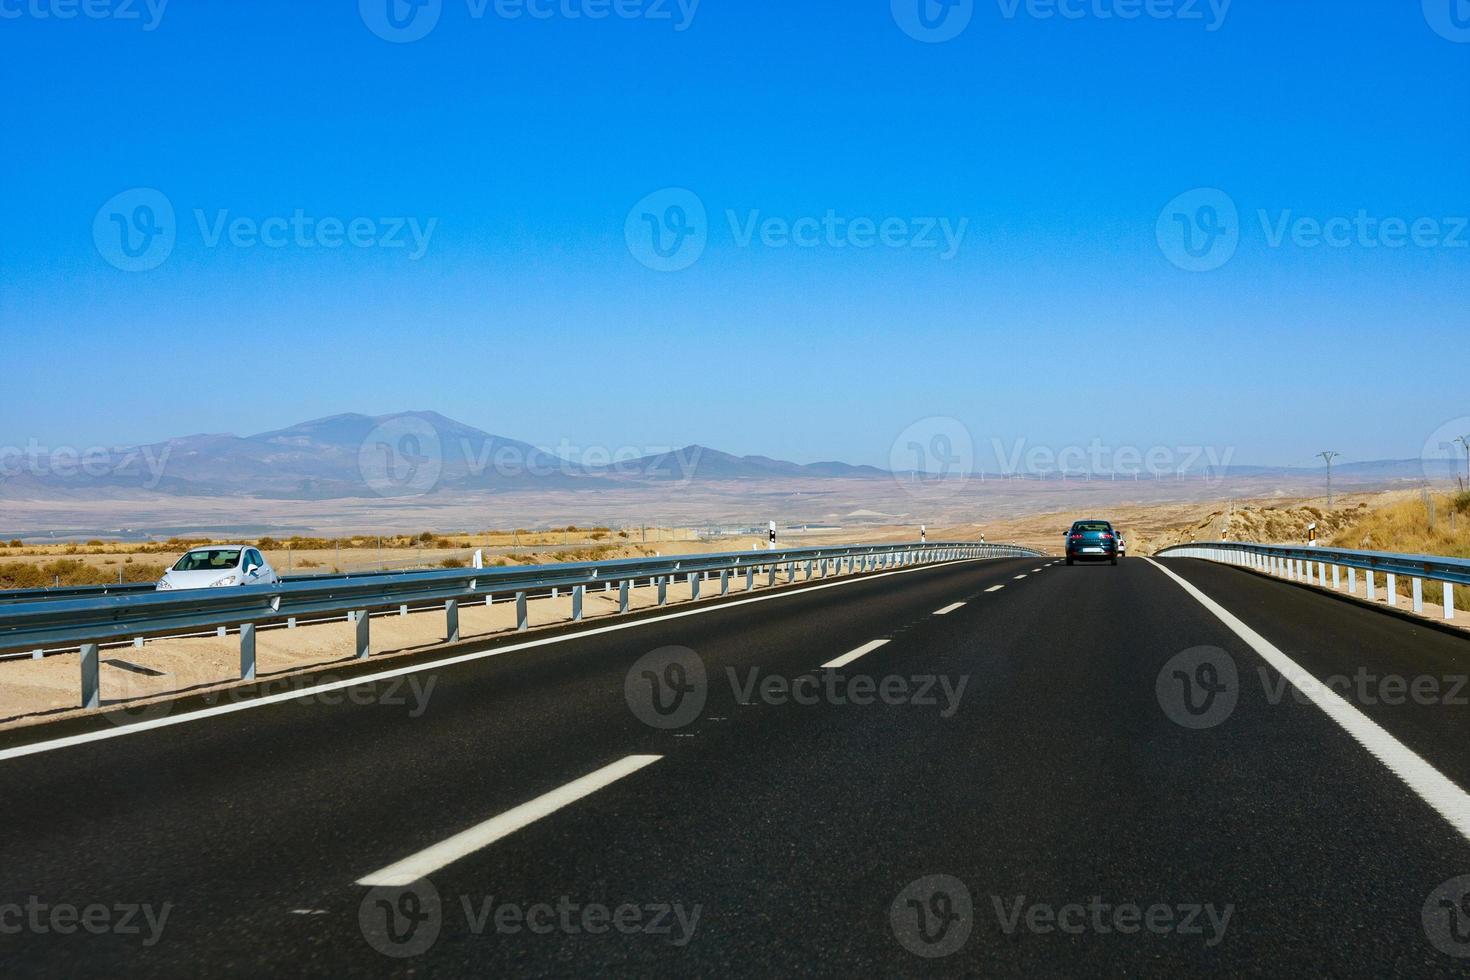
{"x":1107,"y":536}
{"x":1076,"y":537}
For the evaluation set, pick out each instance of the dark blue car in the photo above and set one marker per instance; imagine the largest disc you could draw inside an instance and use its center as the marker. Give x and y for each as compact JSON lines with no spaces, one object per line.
{"x":1092,"y":541}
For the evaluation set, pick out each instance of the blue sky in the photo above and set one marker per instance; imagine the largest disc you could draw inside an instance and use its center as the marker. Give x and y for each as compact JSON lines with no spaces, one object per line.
{"x":519,"y":145}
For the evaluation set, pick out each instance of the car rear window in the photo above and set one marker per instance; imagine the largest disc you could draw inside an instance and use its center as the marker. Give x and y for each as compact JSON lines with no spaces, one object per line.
{"x":1092,"y":526}
{"x":208,"y":560}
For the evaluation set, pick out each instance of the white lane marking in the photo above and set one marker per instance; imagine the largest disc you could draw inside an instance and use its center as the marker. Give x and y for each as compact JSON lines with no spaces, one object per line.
{"x":447,"y":851}
{"x":995,"y":588}
{"x":948,"y":609}
{"x":1038,"y":569}
{"x":1432,"y":786}
{"x":1018,"y":578}
{"x":852,"y":655}
{"x":307,"y":692}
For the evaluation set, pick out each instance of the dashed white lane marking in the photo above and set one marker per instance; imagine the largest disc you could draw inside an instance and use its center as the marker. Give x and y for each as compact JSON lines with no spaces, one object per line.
{"x":995,"y":588}
{"x":431,"y":859}
{"x":852,"y":655}
{"x":1018,"y":578}
{"x":948,"y":609}
{"x":1038,"y":569}
{"x":1432,"y":786}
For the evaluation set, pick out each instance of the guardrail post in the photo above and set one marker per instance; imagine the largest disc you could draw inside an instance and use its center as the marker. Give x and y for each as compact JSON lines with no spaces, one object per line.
{"x":1336,"y":581}
{"x":1368,"y":576}
{"x":1419,"y":596}
{"x":750,"y":579}
{"x":1449,"y":601}
{"x":1352,"y":580}
{"x":91,"y":678}
{"x":623,"y":596}
{"x":724,"y":581}
{"x":363,"y":621}
{"x":247,"y":652}
{"x":693,"y":585}
{"x":451,"y":620}
{"x":523,"y":621}
{"x":771,"y":576}
{"x":663,"y":590}
{"x":1309,"y":573}
{"x":577,"y":593}
{"x":1393,"y":592}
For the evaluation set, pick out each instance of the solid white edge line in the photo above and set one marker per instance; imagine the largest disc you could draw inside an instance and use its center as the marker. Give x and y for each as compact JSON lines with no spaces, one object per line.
{"x":466,"y":842}
{"x":225,"y":709}
{"x":948,"y":609}
{"x":995,"y":588}
{"x":1431,"y":786}
{"x":852,"y":655}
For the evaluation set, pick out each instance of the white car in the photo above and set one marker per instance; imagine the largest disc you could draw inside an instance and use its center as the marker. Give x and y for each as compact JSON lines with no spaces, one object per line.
{"x":217,"y":567}
{"x":1122,"y":545}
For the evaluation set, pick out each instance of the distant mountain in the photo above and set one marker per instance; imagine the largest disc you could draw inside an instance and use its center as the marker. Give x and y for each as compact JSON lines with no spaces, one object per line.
{"x":354,"y":455}
{"x":703,"y":463}
{"x":416,"y":453}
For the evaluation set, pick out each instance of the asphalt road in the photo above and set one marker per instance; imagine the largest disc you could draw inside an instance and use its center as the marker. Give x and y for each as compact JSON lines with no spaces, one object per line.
{"x":1083,"y":771}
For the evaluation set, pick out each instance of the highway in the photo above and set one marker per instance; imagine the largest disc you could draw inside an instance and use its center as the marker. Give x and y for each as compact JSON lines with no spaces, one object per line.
{"x":1015,"y":768}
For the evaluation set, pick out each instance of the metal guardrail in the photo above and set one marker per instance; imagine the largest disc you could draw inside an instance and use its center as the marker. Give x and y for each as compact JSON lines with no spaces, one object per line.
{"x":86,"y":623}
{"x":1311,"y":565}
